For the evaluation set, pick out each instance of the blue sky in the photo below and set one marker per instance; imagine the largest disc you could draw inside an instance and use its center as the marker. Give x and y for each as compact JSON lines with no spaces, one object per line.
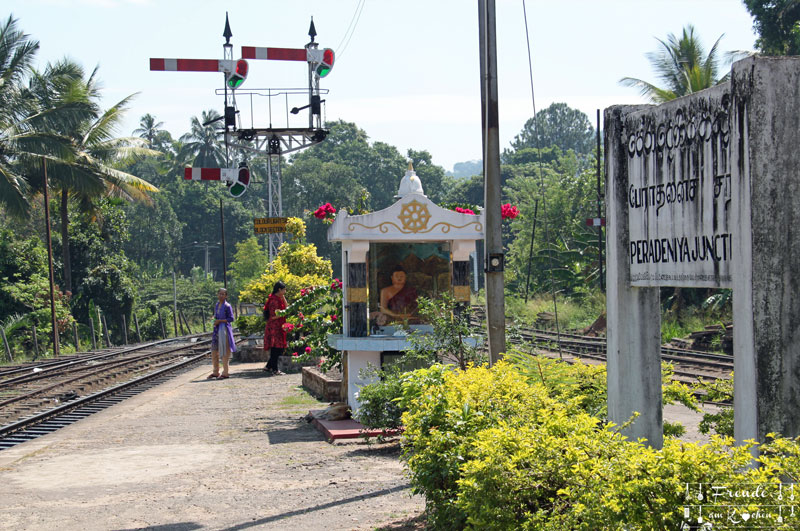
{"x":408,"y":71}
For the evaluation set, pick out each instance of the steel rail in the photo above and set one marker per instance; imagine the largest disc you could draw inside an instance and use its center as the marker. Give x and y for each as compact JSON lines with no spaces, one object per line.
{"x":40,"y":417}
{"x":52,"y":366}
{"x":110,"y":366}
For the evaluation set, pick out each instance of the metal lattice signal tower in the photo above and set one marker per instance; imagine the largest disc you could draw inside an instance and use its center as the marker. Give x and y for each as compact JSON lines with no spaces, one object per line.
{"x":274,"y":142}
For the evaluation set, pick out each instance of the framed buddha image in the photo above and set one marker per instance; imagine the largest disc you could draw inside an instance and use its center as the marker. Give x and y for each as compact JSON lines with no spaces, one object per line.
{"x":400,"y":273}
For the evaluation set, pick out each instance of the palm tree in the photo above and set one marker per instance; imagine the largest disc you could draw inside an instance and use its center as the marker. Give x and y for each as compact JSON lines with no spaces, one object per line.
{"x":148,"y":129}
{"x":94,"y":150}
{"x":202,"y":141}
{"x":25,"y":127}
{"x":683,"y":65}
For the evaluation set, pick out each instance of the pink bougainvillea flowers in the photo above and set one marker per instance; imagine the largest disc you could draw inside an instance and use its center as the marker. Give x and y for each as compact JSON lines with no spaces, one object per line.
{"x":288,"y":327}
{"x":465,"y":211}
{"x":508,"y":211}
{"x":325,"y":212}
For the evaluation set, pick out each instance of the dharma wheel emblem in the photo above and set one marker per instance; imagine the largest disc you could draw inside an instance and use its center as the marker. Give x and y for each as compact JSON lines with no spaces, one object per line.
{"x":414,"y":216}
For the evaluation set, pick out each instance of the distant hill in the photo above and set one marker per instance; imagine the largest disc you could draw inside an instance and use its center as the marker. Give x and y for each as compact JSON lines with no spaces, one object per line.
{"x":462,"y":170}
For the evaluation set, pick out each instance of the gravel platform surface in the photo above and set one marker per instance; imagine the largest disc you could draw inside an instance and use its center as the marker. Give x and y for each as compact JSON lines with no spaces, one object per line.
{"x":204,"y":454}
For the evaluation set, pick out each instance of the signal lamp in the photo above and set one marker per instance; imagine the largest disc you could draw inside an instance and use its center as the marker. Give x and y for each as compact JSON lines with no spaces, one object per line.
{"x":325,"y":67}
{"x":242,"y":181}
{"x":236,"y":78}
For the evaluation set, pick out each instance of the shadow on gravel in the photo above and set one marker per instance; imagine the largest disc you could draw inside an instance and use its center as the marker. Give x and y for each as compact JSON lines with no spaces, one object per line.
{"x":371,"y":449}
{"x":321,"y":507}
{"x":182,"y":526}
{"x":286,"y":430}
{"x":408,"y":524}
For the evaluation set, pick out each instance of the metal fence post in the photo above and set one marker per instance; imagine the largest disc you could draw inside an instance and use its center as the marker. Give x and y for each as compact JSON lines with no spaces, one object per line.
{"x":94,"y":337}
{"x":5,"y":342}
{"x":75,"y":334}
{"x":186,"y":321}
{"x":161,"y":321}
{"x":124,"y":329}
{"x":105,"y":331}
{"x":136,"y":323}
{"x":35,"y":342}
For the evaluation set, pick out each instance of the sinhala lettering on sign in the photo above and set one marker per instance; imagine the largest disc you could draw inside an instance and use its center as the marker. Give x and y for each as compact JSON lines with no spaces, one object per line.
{"x":679,"y":193}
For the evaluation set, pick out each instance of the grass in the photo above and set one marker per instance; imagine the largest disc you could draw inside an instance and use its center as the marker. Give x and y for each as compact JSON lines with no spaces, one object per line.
{"x":572,"y":313}
{"x":300,"y":398}
{"x":578,"y":313}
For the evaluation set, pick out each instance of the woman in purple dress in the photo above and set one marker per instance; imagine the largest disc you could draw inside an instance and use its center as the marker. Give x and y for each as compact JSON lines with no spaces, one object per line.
{"x":222,"y":338}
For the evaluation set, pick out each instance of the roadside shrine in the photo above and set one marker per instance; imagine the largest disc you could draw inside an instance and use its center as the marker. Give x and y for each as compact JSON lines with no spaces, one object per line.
{"x":411,"y":249}
{"x":701,"y":192}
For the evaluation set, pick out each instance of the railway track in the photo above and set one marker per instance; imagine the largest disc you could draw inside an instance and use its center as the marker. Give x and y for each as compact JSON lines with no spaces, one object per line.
{"x":37,"y":398}
{"x":688,"y":365}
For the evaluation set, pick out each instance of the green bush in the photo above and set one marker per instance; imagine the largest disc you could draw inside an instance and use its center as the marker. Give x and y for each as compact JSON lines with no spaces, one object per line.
{"x":491,"y":449}
{"x":250,"y":324}
{"x":379,"y":401}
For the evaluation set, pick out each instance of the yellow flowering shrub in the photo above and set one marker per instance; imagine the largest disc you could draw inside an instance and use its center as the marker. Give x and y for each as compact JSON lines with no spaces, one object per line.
{"x":490,"y":448}
{"x":297,"y":265}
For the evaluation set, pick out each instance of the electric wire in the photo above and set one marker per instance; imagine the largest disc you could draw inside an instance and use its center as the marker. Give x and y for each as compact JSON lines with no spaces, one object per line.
{"x":541,"y":181}
{"x":351,"y":29}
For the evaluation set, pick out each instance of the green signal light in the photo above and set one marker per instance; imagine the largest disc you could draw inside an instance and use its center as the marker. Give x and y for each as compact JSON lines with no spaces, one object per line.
{"x":326,"y":65}
{"x":236,"y":78}
{"x":237,"y":189}
{"x":235,"y":82}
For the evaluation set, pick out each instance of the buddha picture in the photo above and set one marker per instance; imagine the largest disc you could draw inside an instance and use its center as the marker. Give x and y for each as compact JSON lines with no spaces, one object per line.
{"x":400,"y":273}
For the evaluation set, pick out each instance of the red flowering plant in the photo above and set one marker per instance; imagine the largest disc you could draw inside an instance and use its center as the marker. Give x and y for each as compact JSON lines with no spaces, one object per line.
{"x":508,"y":211}
{"x":325,"y":213}
{"x":309,"y":321}
{"x":462,"y":208}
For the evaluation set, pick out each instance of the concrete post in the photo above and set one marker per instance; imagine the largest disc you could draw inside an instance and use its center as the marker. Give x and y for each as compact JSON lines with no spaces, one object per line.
{"x":494,"y":264}
{"x":634,"y":314}
{"x":765,"y":124}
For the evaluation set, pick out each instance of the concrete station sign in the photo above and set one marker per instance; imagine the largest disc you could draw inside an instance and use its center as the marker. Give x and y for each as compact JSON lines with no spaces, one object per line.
{"x":679,"y":192}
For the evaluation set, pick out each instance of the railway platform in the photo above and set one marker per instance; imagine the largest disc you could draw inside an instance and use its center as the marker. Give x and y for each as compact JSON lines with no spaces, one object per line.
{"x":193,"y":453}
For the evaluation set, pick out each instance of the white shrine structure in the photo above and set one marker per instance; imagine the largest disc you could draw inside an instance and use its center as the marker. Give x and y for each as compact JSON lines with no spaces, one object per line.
{"x":414,"y":248}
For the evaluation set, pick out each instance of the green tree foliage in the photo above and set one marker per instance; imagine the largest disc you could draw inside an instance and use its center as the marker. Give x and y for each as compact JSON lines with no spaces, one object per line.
{"x":557,"y":125}
{"x":201,"y":142}
{"x":563,"y":246}
{"x":777,"y":23}
{"x":155,"y":235}
{"x":25,"y":292}
{"x":89,"y":171}
{"x":29,"y":129}
{"x":682,"y":65}
{"x":249,"y":262}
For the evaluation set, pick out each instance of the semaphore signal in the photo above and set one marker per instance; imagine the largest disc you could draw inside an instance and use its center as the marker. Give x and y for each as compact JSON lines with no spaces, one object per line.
{"x":269,"y":141}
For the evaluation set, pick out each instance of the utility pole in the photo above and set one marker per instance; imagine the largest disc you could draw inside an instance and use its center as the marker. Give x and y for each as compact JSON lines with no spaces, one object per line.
{"x":222,"y":231}
{"x":175,"y":304}
{"x":494,"y":259}
{"x":50,"y":260}
{"x":599,"y":211}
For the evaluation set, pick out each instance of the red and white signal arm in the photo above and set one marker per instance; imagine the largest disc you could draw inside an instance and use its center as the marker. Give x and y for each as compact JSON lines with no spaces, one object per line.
{"x":238,"y":179}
